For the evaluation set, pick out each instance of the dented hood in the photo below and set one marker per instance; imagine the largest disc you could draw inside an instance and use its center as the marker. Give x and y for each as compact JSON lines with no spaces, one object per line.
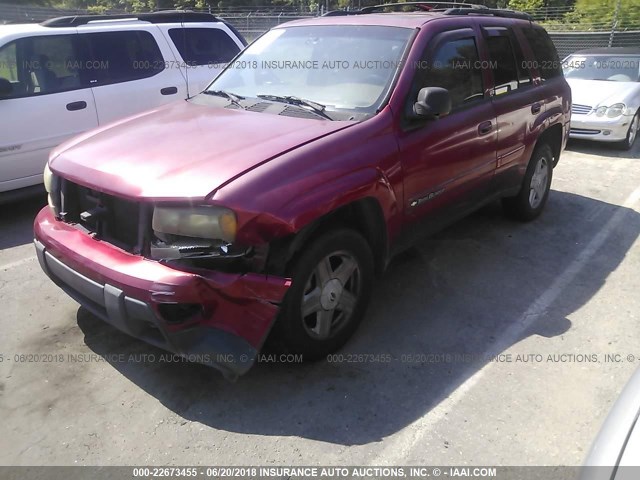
{"x":182,"y":150}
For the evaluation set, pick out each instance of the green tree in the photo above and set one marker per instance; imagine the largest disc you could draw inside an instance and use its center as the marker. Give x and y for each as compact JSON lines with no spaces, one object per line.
{"x":526,"y":5}
{"x":602,"y":14}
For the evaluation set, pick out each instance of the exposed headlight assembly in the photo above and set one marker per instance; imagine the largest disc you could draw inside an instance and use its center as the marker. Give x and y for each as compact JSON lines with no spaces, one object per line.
{"x":193,"y":232}
{"x":212,"y":222}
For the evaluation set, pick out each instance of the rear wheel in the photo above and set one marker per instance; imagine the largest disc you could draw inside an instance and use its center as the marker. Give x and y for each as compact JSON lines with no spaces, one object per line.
{"x":330,"y":290}
{"x":530,"y":201}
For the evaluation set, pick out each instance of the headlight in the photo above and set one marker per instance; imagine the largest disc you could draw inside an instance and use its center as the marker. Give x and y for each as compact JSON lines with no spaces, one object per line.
{"x":212,"y":222}
{"x":51,"y":186}
{"x":616,"y":110}
{"x":601,"y":111}
{"x":48,"y":177}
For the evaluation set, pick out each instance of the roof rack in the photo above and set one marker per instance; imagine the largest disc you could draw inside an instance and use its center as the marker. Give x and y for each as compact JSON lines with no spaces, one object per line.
{"x":424,"y":6}
{"x":445,"y":8}
{"x":494,"y":12}
{"x":163,"y":16}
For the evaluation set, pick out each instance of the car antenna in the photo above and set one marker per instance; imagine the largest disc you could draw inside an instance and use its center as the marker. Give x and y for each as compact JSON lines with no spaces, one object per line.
{"x":184,"y":49}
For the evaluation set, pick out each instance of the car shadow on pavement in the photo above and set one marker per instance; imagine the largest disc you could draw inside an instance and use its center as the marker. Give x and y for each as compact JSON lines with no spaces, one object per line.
{"x":16,"y":221}
{"x":453,"y":294}
{"x":602,"y":149}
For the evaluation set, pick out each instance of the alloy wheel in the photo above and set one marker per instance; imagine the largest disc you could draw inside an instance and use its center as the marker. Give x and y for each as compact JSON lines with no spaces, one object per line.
{"x":633,"y":130}
{"x":331,"y":295}
{"x":539,"y":180}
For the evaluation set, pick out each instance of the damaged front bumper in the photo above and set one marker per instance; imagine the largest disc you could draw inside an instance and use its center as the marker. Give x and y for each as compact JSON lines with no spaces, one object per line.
{"x":218,"y":319}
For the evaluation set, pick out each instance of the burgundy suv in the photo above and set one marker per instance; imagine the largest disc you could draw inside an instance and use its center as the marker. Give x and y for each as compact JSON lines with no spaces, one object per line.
{"x":264,"y":205}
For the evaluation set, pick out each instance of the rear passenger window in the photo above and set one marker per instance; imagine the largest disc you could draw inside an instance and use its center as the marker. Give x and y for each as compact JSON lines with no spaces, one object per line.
{"x":123,"y":56}
{"x":544,"y":52}
{"x":203,"y":46}
{"x":504,"y":67}
{"x":41,"y":65}
{"x":456,"y":67}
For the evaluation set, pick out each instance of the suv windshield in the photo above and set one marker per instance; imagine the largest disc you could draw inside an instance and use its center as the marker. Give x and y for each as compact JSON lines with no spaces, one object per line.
{"x":340,"y":67}
{"x":620,"y":68}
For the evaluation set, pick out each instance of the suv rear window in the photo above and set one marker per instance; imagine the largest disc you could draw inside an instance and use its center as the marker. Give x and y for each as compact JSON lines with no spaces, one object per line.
{"x":204,"y":46}
{"x":124,"y":56}
{"x":544,"y":51}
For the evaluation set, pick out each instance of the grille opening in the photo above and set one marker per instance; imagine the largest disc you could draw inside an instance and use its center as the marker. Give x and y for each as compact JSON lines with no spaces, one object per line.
{"x":113,"y":219}
{"x":584,"y":131}
{"x":580,"y":109}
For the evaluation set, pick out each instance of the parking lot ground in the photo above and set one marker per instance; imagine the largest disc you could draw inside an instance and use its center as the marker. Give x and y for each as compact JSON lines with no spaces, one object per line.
{"x":508,"y":344}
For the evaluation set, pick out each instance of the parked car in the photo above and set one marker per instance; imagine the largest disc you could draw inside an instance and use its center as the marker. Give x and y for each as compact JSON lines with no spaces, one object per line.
{"x":615,"y":453}
{"x":70,"y":74}
{"x":605,"y":83}
{"x":265,"y":204}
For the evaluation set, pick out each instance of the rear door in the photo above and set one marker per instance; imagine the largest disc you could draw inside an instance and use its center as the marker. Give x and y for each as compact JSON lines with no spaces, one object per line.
{"x":448,"y":163}
{"x":553,"y":88}
{"x":516,"y":101}
{"x":50,"y":102}
{"x":133,"y":70}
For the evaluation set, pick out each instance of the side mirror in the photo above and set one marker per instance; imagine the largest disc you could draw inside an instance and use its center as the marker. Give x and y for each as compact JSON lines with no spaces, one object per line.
{"x":5,"y":87}
{"x":433,"y":102}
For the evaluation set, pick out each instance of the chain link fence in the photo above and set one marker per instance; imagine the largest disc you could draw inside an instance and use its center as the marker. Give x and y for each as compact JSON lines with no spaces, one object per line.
{"x":569,"y":42}
{"x":570,"y":30}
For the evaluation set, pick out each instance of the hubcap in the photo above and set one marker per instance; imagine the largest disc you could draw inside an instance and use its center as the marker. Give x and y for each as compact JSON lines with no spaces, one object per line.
{"x":330,"y":295}
{"x":633,"y":130}
{"x":539,"y":183}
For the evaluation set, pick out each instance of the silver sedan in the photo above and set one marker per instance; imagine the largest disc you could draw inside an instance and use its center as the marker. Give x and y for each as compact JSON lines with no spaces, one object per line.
{"x":605,"y":86}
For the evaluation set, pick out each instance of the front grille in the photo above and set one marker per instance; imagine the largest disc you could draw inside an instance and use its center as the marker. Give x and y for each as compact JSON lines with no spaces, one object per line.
{"x":113,"y":219}
{"x":578,"y":109}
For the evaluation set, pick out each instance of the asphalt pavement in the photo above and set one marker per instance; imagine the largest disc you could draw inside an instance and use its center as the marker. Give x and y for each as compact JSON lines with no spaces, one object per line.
{"x":491,"y":343}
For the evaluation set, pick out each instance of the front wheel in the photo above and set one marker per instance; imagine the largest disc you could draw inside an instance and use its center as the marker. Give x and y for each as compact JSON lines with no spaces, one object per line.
{"x":530,"y":201}
{"x":632,"y":133}
{"x":331,"y":286}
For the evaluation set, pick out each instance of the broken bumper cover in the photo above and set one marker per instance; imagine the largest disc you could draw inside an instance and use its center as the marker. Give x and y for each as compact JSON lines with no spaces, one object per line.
{"x":223,"y":318}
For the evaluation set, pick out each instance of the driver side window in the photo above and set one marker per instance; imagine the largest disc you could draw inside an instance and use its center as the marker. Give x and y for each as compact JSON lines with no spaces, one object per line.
{"x":9,"y":67}
{"x":40,"y":65}
{"x":455,"y":66}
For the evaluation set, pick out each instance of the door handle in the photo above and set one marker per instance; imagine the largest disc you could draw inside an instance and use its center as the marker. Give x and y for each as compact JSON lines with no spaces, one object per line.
{"x":73,"y":106}
{"x":485,"y":128}
{"x":169,"y":91}
{"x":536,"y":107}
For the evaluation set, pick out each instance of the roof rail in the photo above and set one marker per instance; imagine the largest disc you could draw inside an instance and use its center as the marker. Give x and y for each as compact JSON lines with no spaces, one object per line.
{"x":424,"y":6}
{"x":494,"y":12}
{"x":445,"y":8}
{"x":342,"y":13}
{"x":163,"y":16}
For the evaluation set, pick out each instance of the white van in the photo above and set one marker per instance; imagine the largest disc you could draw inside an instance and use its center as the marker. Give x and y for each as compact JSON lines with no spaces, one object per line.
{"x":70,"y":74}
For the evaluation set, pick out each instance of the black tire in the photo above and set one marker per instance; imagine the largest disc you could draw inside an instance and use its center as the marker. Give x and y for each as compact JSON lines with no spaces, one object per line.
{"x":295,"y":333}
{"x":525,"y":206}
{"x":628,"y":142}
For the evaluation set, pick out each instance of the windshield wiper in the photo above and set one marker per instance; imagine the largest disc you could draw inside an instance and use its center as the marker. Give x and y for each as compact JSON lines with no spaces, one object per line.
{"x":232,"y":97}
{"x":315,"y":107}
